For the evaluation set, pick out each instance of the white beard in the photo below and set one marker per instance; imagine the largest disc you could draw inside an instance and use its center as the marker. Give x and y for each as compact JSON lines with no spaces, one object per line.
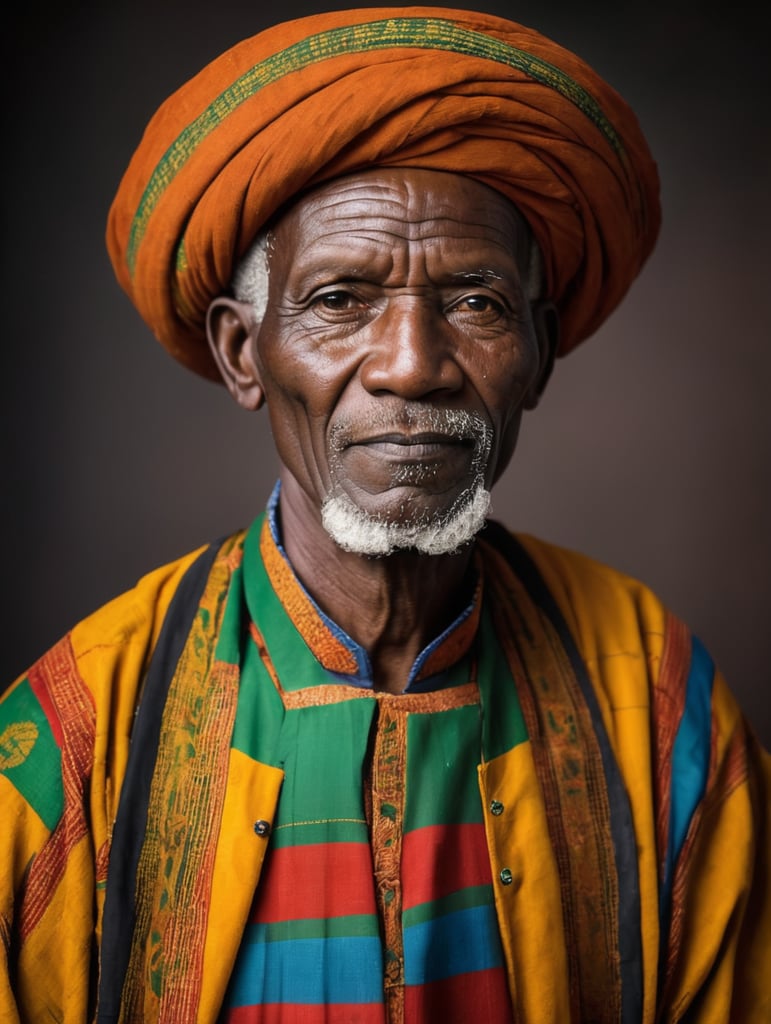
{"x":366,"y":534}
{"x":431,"y":533}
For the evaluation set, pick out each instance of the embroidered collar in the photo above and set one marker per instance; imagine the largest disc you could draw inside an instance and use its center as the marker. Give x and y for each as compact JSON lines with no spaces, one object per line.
{"x":336,"y":651}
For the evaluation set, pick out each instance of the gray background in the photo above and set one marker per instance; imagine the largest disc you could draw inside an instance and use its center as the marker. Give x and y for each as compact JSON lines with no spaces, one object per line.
{"x":650,"y":450}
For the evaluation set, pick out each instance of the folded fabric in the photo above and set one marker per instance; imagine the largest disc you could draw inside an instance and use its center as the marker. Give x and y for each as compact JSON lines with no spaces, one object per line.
{"x":318,"y":97}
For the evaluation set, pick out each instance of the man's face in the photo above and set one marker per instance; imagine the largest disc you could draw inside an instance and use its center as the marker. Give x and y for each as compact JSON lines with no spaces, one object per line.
{"x":398,"y":350}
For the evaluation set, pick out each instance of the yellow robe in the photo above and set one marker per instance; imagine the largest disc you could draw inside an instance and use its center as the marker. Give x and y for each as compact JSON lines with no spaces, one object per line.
{"x":712,"y":965}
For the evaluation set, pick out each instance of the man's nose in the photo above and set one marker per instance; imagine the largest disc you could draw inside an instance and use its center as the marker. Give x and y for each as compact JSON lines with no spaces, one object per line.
{"x":411,"y":352}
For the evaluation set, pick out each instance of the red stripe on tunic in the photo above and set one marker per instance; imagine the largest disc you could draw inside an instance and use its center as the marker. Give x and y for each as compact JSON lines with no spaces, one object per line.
{"x":477,"y":996}
{"x":301,"y":1013}
{"x":303,"y":882}
{"x":429,"y":874}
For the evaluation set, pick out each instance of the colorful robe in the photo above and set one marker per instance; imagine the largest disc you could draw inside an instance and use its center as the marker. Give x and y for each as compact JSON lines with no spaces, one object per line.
{"x":624,"y":800}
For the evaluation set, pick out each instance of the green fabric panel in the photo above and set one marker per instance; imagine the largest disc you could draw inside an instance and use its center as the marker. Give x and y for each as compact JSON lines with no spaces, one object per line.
{"x":322,"y":751}
{"x":473,"y":896}
{"x":295,"y":664}
{"x":260,"y":713}
{"x":503,"y":726}
{"x":443,"y":751}
{"x":29,"y":756}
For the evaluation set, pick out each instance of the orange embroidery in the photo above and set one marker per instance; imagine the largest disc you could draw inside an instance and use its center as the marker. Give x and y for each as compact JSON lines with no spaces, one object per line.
{"x":335,"y":693}
{"x":175,"y":866}
{"x":388,"y":772}
{"x":333,"y":655}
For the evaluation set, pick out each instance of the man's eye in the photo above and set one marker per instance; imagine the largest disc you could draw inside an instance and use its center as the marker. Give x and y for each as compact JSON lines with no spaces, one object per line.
{"x":482,"y":304}
{"x":479,"y":304}
{"x":337,"y":301}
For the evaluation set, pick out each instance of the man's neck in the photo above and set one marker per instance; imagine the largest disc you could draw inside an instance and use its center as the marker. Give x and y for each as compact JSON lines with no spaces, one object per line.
{"x":393,"y":606}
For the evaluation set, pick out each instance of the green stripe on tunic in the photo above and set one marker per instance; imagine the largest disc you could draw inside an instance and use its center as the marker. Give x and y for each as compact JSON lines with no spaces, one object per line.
{"x":463,"y":899}
{"x":314,"y":928}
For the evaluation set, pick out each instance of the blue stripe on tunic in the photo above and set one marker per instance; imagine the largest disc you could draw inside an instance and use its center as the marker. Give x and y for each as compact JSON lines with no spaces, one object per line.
{"x":690,"y":757}
{"x":311,"y":971}
{"x":457,"y":943}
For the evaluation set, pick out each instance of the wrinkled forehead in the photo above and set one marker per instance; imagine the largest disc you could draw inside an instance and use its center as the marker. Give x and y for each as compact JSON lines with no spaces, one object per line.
{"x":383,"y":206}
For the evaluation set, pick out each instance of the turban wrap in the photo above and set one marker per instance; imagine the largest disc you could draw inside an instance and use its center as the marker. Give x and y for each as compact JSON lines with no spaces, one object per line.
{"x":331,"y":94}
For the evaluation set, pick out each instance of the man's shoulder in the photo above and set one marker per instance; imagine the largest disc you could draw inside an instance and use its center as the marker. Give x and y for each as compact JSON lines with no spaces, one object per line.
{"x":586,"y":577}
{"x":82,"y":693}
{"x":136,"y":610}
{"x":644,"y":664}
{"x":118,"y":637}
{"x":604,"y":607}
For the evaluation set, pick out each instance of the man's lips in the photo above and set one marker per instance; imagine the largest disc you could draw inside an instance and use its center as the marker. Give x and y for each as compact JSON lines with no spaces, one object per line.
{"x":430,"y":461}
{"x":431,"y":452}
{"x":413,"y":446}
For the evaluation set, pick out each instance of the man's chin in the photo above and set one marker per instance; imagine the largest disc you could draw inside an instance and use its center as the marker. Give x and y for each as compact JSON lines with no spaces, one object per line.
{"x":363,"y":533}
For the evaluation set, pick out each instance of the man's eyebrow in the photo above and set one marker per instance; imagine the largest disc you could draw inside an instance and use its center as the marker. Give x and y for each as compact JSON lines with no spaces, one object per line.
{"x":485,"y":276}
{"x":321,"y":274}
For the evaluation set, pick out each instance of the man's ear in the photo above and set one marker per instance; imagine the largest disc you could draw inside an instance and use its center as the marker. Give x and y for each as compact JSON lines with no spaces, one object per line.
{"x":546,"y":322}
{"x":231,"y":330}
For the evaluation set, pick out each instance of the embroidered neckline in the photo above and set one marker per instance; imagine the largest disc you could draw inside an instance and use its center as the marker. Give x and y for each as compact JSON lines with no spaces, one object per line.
{"x":332,"y":647}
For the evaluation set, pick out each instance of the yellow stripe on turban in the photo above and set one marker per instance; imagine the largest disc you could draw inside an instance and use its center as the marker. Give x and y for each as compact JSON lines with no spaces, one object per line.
{"x":318,"y":97}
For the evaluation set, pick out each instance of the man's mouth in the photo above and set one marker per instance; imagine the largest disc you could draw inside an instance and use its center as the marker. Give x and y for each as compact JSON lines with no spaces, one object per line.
{"x":424,"y":445}
{"x":415,"y":447}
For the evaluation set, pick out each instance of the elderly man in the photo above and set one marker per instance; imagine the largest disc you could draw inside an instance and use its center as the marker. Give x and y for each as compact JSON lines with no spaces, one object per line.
{"x":375,"y":758}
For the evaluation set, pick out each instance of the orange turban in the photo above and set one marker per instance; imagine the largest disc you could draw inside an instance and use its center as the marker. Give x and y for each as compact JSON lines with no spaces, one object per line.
{"x":426,"y":87}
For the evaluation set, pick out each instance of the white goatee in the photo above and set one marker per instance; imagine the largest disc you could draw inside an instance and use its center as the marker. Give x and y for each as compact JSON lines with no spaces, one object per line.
{"x":365,"y":533}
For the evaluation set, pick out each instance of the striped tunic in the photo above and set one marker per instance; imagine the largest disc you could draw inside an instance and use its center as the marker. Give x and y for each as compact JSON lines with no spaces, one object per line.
{"x":377,"y":903}
{"x":567,"y":800}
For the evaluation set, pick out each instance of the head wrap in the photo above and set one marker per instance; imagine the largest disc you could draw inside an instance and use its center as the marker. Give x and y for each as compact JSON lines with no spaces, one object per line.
{"x":427,"y":87}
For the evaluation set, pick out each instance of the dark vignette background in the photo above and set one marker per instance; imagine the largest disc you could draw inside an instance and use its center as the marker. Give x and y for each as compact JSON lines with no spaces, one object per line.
{"x":650,"y":451}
